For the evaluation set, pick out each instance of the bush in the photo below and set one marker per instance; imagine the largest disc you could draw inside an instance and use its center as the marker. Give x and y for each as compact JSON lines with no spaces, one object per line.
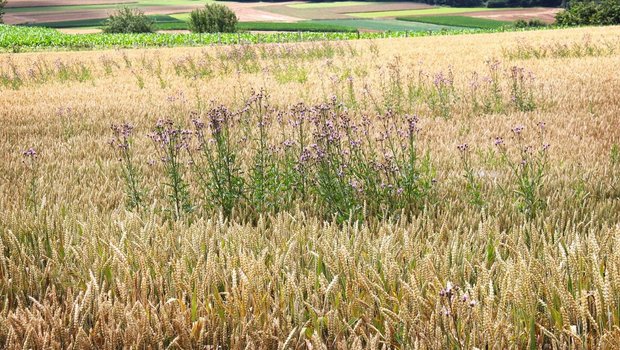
{"x":214,"y":18}
{"x":2,"y":4}
{"x":606,"y":12}
{"x":522,"y":23}
{"x":128,"y":20}
{"x":497,"y":3}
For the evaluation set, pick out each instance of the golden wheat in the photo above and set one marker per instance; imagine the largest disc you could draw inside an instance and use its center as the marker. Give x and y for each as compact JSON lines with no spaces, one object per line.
{"x":78,"y":270}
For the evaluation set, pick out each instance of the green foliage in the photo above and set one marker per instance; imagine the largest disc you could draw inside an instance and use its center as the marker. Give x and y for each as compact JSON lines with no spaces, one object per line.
{"x":457,"y":21}
{"x":170,"y":143}
{"x":214,"y":18}
{"x":532,"y":23}
{"x":128,"y":20}
{"x":19,"y":38}
{"x":122,"y":144}
{"x":2,"y":4}
{"x":606,"y":12}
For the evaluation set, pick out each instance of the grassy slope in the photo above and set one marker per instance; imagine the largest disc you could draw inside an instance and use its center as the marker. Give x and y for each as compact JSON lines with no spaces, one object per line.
{"x":433,"y":11}
{"x":457,"y":21}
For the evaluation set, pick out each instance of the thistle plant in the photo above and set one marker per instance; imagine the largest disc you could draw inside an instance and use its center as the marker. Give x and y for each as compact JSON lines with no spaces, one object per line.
{"x":456,"y":312}
{"x":31,"y":161}
{"x":529,"y":171}
{"x":413,"y":171}
{"x":13,"y":78}
{"x":333,"y":182}
{"x":493,"y":101}
{"x":109,"y":64}
{"x":443,"y":96}
{"x":521,"y":89}
{"x":216,"y":162}
{"x":393,"y":89}
{"x":122,"y":145}
{"x":170,"y":143}
{"x":263,"y":176}
{"x":473,"y":183}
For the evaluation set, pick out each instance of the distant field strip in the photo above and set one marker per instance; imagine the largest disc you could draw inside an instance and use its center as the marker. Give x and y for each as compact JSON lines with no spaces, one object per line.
{"x":386,"y":25}
{"x":66,"y":8}
{"x":139,"y":3}
{"x":422,"y":12}
{"x":165,"y":22}
{"x":96,"y":22}
{"x":320,"y":5}
{"x":457,"y":21}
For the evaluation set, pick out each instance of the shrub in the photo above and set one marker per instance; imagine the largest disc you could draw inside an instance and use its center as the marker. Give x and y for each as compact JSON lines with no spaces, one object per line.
{"x":497,"y":3}
{"x":214,"y":18}
{"x":522,"y":23}
{"x":2,"y":4}
{"x":128,"y":20}
{"x":606,"y":12}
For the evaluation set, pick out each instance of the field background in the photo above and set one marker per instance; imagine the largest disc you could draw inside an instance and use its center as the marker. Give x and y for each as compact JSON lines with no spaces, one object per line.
{"x":78,"y":269}
{"x":364,"y":16}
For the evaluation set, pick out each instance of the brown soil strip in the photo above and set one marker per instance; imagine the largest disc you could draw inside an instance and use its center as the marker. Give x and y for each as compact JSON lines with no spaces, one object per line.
{"x":248,"y":14}
{"x":340,"y":12}
{"x":37,"y":3}
{"x":546,"y":15}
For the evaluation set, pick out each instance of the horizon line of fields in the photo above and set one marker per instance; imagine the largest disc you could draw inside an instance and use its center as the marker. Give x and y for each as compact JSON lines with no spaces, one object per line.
{"x":442,"y":10}
{"x":135,"y":3}
{"x":412,"y":23}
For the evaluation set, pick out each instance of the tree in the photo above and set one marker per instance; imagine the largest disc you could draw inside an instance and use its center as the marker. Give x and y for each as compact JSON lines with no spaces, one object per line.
{"x":128,"y":20}
{"x":606,"y":12}
{"x":2,"y":4}
{"x":213,"y":18}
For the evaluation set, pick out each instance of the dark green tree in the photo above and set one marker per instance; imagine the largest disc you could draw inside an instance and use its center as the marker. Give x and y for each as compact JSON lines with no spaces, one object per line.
{"x":2,"y":4}
{"x":605,"y":12}
{"x":128,"y":20}
{"x":213,"y":18}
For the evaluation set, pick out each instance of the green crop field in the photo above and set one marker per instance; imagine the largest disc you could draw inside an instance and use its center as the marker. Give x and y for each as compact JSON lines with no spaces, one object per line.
{"x":21,"y":38}
{"x":386,"y":25}
{"x":457,"y":21}
{"x":421,"y":12}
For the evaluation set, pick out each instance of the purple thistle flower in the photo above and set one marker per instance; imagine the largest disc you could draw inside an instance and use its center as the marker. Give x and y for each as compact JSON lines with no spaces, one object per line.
{"x":518,"y":129}
{"x":30,"y":153}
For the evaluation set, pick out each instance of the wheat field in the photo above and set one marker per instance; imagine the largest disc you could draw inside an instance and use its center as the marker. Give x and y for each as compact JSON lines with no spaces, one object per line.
{"x":448,"y":192}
